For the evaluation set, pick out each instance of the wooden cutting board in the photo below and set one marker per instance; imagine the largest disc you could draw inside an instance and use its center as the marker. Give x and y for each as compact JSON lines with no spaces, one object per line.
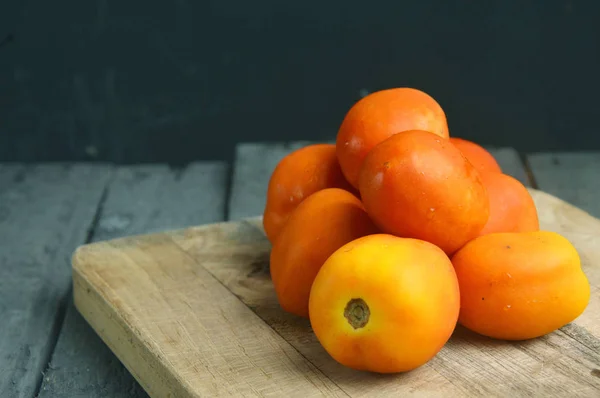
{"x":193,"y":313}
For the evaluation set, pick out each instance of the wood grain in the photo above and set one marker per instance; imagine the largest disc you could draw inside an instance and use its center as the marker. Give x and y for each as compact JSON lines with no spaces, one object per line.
{"x":159,"y":291}
{"x":140,"y":199}
{"x":45,"y":213}
{"x":556,"y":365}
{"x":181,"y":332}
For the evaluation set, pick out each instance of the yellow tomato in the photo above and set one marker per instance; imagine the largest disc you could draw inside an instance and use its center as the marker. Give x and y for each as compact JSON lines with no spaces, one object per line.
{"x":385,"y":304}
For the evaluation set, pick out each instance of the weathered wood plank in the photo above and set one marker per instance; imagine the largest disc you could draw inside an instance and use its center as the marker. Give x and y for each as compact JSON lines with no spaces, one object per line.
{"x":140,"y":199}
{"x":178,"y":329}
{"x":574,"y":177}
{"x":45,"y":213}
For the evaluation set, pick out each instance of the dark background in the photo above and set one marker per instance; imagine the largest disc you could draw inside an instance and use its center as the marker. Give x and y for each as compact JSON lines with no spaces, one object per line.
{"x":182,"y":80}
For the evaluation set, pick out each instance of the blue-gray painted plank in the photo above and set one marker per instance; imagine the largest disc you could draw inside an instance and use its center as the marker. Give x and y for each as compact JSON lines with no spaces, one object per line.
{"x":573,"y":177}
{"x":45,"y":213}
{"x":140,"y":199}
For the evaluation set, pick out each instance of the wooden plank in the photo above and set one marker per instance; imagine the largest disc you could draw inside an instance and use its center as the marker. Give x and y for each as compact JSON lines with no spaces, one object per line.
{"x":253,"y":166}
{"x":179,"y":330}
{"x":45,"y":213}
{"x":141,"y":199}
{"x":563,"y":363}
{"x":573,"y":177}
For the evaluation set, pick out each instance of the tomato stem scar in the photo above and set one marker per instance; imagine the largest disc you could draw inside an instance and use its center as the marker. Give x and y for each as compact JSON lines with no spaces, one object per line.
{"x":357,"y":313}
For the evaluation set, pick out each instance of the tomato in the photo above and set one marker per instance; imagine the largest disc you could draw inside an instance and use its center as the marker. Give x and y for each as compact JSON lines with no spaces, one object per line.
{"x":380,"y":115}
{"x":297,"y":176}
{"x":418,"y":185}
{"x":320,"y":225}
{"x":480,"y":158}
{"x":520,"y":285}
{"x":385,"y":304}
{"x":512,"y":208}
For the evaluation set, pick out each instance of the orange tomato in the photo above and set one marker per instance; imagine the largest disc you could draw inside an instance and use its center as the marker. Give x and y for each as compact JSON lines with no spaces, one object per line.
{"x":384,"y":304}
{"x":418,"y":185}
{"x":477,"y":155}
{"x":520,"y":285}
{"x":320,"y":225}
{"x":297,"y":176}
{"x":512,"y":208}
{"x":380,"y":115}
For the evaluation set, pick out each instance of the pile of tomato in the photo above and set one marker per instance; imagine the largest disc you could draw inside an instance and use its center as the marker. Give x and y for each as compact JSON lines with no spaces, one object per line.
{"x":389,"y":238}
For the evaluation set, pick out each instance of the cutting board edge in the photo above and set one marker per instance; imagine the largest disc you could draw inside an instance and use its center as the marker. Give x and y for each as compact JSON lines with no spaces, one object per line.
{"x":255,"y":221}
{"x":109,"y":325}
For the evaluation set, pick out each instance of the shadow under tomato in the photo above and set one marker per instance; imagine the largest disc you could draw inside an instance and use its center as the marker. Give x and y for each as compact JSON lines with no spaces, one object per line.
{"x":464,"y":339}
{"x":259,"y":267}
{"x":462,"y":335}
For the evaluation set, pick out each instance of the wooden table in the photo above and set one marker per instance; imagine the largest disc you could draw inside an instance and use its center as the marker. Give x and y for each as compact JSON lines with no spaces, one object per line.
{"x":47,"y":210}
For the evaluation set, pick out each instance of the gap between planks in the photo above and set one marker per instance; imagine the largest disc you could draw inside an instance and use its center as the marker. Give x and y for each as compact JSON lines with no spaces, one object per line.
{"x":139,"y":199}
{"x":45,"y":213}
{"x":64,"y":304}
